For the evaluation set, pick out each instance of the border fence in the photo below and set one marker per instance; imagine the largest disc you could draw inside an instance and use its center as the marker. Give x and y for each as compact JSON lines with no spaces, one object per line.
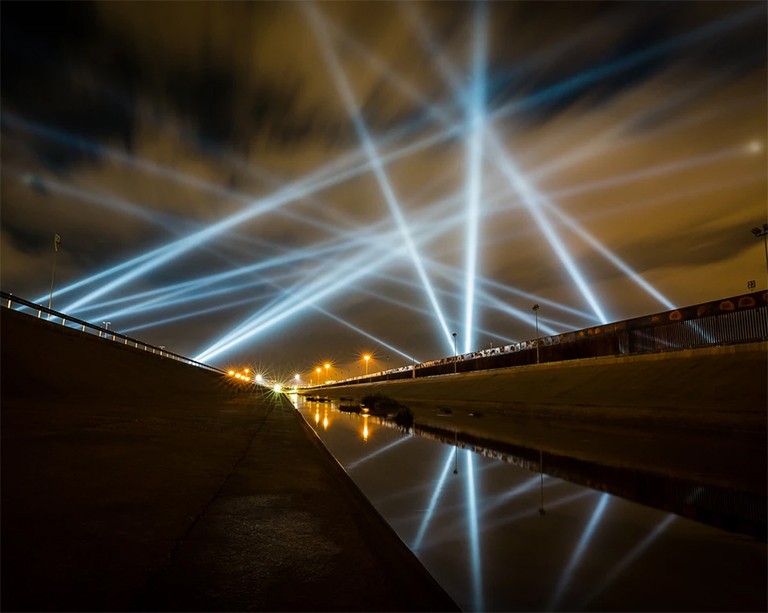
{"x":739,"y":319}
{"x":9,"y":301}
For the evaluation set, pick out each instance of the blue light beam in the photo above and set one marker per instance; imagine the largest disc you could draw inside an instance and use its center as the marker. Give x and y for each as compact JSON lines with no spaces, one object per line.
{"x":586,"y":536}
{"x":317,"y":22}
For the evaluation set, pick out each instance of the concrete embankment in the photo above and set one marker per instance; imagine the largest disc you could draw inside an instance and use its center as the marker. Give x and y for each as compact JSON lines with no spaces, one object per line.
{"x":134,"y":482}
{"x":698,"y":414}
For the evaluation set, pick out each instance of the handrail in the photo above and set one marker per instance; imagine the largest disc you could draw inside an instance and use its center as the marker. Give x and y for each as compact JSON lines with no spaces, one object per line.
{"x":8,"y":300}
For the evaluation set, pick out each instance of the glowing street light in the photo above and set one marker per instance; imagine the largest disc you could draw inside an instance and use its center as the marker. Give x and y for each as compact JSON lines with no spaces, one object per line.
{"x":455,"y":353}
{"x":327,"y":370}
{"x":367,"y":359}
{"x":318,"y":375}
{"x":536,"y":313}
{"x":764,"y":235}
{"x":259,"y":378}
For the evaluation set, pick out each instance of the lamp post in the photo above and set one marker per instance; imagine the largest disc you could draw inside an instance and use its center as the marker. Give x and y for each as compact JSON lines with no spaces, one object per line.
{"x":536,"y":314}
{"x":758,"y":233}
{"x":366,"y":358}
{"x":318,"y":375}
{"x":455,"y":353}
{"x":327,"y":371}
{"x":56,"y":243}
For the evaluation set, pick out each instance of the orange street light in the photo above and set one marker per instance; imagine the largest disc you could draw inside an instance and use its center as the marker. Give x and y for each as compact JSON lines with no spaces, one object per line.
{"x":367,"y":359}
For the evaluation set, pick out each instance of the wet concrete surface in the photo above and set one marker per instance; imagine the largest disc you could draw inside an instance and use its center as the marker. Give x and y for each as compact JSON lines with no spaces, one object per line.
{"x":131,"y":482}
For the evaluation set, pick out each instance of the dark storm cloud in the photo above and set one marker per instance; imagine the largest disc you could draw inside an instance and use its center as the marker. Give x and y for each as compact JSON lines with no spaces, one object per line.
{"x":56,"y":69}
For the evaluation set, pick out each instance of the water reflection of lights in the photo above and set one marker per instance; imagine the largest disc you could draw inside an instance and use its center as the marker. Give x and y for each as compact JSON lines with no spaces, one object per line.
{"x":325,"y":420}
{"x":480,"y":535}
{"x":433,"y":501}
{"x":628,"y":559}
{"x":373,"y":454}
{"x":317,"y":416}
{"x":474,"y":534}
{"x":365,"y":428}
{"x":586,"y":536}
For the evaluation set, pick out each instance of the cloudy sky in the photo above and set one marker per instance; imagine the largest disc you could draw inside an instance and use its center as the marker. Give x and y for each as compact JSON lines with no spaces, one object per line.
{"x":287,"y":183}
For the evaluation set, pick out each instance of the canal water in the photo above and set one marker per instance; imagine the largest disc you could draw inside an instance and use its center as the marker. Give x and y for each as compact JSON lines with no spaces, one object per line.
{"x":499,"y":537}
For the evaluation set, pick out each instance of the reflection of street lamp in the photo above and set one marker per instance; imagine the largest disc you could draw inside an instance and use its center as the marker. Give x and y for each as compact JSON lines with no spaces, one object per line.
{"x":541,"y":472}
{"x":536,"y":313}
{"x":456,"y":452}
{"x":367,"y":358}
{"x":455,"y":353}
{"x":764,"y":235}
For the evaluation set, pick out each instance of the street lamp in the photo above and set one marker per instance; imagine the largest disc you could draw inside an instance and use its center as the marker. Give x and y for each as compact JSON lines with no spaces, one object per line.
{"x":455,"y":353}
{"x":106,"y":324}
{"x":764,"y":235}
{"x":56,"y":243}
{"x":327,"y":370}
{"x":318,"y":375}
{"x":367,"y":359}
{"x":536,"y":314}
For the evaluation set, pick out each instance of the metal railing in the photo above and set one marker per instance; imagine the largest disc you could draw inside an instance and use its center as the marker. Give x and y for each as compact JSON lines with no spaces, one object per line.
{"x":10,"y":301}
{"x":739,"y":319}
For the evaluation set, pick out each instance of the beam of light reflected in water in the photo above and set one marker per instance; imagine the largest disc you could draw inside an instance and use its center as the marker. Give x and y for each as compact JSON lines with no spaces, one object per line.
{"x":479,"y":531}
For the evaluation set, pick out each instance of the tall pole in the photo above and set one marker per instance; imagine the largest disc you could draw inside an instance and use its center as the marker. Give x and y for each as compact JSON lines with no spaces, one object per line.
{"x":536,"y":314}
{"x":764,"y":235}
{"x":56,"y":243}
{"x":455,"y":354}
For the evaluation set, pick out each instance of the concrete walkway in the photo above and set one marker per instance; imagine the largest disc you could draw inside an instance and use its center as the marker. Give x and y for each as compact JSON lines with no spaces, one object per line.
{"x":131,"y":482}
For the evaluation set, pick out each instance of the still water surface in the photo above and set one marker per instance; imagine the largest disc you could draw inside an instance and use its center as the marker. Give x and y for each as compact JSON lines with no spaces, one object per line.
{"x":476,"y":525}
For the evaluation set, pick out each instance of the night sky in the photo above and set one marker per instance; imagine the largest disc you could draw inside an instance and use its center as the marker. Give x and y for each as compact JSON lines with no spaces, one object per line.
{"x":302,"y":182}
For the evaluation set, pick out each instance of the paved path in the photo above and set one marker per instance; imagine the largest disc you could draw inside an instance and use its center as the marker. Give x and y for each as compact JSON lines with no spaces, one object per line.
{"x":134,"y":482}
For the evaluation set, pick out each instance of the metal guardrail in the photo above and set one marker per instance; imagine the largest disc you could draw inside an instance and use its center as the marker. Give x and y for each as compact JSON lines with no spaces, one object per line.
{"x":9,"y":301}
{"x":738,"y":319}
